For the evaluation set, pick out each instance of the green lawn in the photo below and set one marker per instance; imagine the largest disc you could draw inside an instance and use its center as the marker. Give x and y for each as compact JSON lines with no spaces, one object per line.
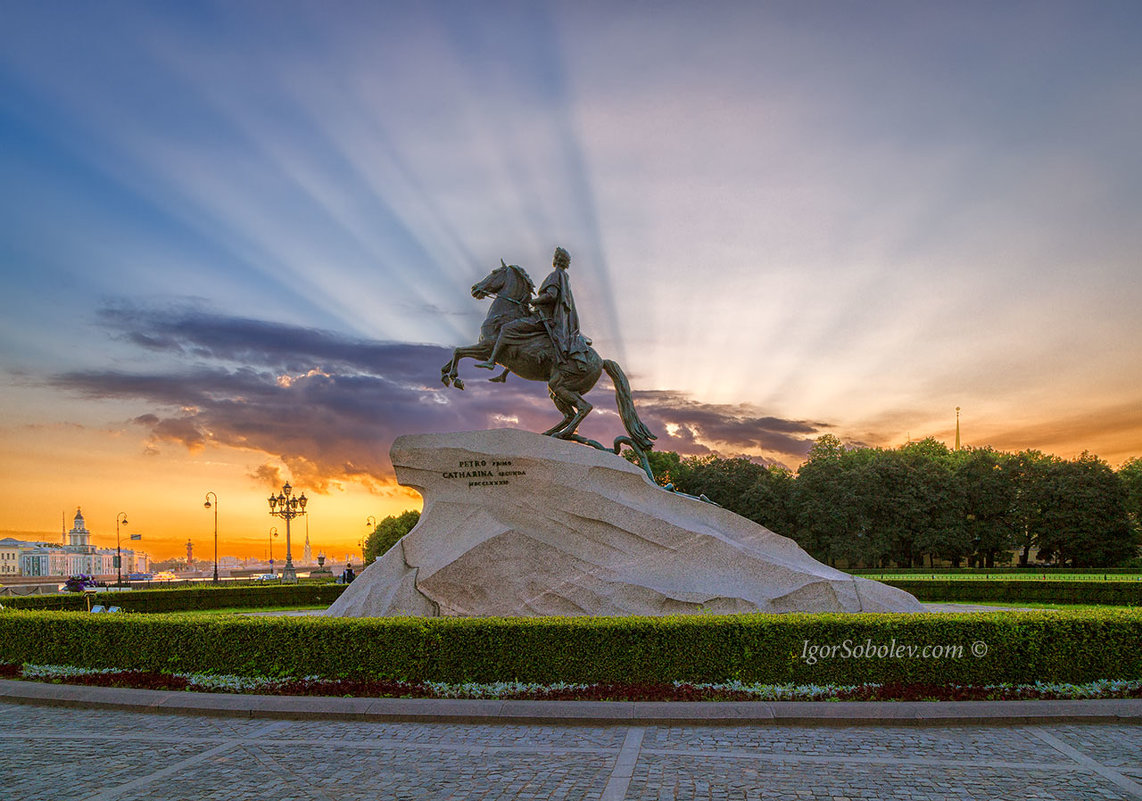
{"x":245,"y":610}
{"x":1033,"y":605}
{"x":889,"y":575}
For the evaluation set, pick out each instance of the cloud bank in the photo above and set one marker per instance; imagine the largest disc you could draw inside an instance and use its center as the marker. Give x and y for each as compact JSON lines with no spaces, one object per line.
{"x":328,"y":406}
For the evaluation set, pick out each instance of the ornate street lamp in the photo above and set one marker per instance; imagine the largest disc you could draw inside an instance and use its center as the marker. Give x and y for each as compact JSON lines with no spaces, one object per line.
{"x":273,"y":533}
{"x":119,"y":550}
{"x":287,"y":506}
{"x":215,"y":505}
{"x":371,"y":523}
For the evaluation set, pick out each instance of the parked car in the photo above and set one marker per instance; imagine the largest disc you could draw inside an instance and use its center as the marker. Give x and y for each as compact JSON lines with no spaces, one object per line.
{"x":267,"y":577}
{"x":140,"y":577}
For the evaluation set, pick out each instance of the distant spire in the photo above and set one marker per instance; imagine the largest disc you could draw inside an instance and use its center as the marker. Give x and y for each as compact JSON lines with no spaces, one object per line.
{"x":957,"y":428}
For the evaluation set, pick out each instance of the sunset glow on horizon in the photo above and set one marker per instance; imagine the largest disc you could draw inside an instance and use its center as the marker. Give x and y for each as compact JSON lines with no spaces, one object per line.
{"x":238,"y":240}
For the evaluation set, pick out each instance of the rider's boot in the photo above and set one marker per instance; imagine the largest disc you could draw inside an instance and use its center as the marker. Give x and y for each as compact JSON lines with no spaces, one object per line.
{"x":490,"y":364}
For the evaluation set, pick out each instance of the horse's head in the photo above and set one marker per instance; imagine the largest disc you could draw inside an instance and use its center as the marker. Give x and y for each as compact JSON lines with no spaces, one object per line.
{"x":507,"y":280}
{"x":492,"y":283}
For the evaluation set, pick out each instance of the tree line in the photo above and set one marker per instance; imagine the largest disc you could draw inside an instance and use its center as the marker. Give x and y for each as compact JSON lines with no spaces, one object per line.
{"x":921,"y":502}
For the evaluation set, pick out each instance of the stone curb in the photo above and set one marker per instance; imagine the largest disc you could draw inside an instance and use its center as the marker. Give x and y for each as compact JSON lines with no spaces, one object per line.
{"x":427,"y":710}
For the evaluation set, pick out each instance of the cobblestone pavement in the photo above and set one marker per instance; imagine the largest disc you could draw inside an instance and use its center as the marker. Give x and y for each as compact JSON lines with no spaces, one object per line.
{"x":95,"y":755}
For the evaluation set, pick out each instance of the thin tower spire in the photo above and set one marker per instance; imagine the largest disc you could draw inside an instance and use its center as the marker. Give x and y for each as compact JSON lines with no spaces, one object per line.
{"x":957,"y":428}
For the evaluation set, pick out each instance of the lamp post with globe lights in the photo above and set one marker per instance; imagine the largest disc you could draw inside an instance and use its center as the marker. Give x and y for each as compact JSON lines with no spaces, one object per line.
{"x":208,"y":505}
{"x":287,"y":506}
{"x":371,"y":523}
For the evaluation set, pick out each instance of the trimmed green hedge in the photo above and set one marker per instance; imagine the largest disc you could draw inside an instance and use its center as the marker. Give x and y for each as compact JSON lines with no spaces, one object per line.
{"x":188,"y":599}
{"x":1118,"y":593}
{"x":1022,"y":647}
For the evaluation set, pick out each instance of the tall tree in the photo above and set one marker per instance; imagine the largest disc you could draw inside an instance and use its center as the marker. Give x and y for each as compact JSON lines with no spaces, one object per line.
{"x":1130,"y":474}
{"x":667,"y":466}
{"x":1029,"y":472}
{"x":987,"y":484}
{"x":768,"y":500}
{"x":822,"y":505}
{"x":934,"y":502}
{"x":1085,"y":522}
{"x":387,"y":533}
{"x":755,"y":491}
{"x":724,"y":481}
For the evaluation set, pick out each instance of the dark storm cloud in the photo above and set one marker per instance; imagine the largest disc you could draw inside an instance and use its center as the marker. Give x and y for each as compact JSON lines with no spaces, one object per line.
{"x":326,"y":405}
{"x":205,"y":335}
{"x":702,"y":426}
{"x":329,"y":406}
{"x":269,"y":475}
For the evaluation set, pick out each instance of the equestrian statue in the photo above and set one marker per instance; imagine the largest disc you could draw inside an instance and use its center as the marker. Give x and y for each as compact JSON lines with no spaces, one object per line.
{"x":538,"y":338}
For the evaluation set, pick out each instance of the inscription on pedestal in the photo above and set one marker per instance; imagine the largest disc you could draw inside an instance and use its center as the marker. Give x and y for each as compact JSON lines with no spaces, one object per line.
{"x":484,"y":472}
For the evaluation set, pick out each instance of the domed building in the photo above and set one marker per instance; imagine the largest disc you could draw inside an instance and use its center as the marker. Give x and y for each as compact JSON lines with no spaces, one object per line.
{"x":77,"y":555}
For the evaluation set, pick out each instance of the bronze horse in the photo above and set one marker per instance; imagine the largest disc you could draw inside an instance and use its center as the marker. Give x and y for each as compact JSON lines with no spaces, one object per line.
{"x":568,"y":379}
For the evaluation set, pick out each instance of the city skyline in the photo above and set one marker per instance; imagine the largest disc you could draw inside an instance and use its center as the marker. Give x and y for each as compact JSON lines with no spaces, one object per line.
{"x":202,"y":547}
{"x":238,"y":239}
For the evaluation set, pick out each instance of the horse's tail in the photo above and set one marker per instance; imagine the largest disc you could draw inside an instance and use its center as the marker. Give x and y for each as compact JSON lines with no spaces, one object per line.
{"x":634,"y":426}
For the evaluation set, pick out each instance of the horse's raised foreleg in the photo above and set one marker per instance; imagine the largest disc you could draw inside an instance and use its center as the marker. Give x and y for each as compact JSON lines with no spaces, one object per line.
{"x":449,"y":373}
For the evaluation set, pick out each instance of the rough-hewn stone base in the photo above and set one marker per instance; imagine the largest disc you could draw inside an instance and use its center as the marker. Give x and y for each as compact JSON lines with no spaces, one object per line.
{"x":516,"y":523}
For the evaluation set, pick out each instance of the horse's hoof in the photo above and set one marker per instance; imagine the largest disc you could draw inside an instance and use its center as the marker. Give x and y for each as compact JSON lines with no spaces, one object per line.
{"x":458,"y":383}
{"x":446,"y":379}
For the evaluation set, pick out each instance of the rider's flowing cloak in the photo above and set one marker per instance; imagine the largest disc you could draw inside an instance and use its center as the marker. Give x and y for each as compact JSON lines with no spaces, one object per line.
{"x":564,"y":315}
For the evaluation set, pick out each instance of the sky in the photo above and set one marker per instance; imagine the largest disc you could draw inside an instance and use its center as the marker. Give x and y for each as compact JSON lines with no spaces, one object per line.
{"x":237,"y":239}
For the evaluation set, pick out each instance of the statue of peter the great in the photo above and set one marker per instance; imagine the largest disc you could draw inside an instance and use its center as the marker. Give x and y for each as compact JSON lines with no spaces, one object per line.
{"x":555,"y":314}
{"x":538,"y":339}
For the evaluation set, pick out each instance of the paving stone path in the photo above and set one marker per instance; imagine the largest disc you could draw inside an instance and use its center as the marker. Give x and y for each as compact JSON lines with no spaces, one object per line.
{"x":99,"y":755}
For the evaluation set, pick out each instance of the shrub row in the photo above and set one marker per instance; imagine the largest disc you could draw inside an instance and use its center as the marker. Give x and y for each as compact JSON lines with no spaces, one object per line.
{"x":188,"y":599}
{"x":203,"y":597}
{"x":1118,"y":593}
{"x":1022,"y":647}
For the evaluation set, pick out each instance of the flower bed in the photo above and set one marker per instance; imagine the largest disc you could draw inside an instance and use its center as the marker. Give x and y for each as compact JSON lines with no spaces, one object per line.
{"x":612,"y":691}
